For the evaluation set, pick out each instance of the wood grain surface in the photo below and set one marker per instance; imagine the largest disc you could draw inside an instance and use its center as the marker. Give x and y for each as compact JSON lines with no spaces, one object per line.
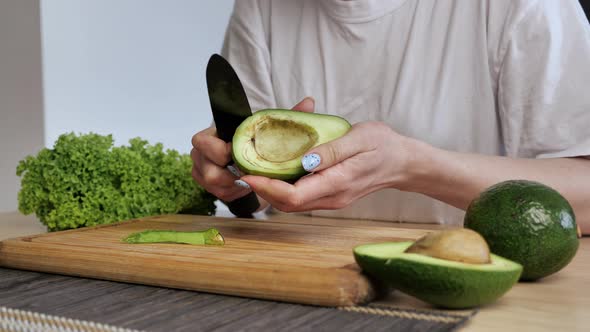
{"x":302,"y":263}
{"x":557,"y":303}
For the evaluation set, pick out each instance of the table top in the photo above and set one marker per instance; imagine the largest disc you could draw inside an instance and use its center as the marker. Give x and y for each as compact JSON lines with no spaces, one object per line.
{"x":555,"y":303}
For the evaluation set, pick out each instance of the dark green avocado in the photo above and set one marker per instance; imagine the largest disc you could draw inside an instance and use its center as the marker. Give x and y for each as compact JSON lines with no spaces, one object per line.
{"x":527,"y":222}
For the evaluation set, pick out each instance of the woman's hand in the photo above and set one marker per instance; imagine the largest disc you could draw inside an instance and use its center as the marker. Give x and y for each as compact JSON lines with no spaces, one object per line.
{"x":370,"y":157}
{"x":210,"y":155}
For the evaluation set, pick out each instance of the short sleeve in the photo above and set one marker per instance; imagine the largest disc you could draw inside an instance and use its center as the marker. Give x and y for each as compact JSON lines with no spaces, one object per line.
{"x":544,"y":83}
{"x":245,"y":47}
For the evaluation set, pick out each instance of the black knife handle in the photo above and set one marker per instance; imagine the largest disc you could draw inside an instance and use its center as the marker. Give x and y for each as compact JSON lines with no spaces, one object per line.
{"x":244,"y":206}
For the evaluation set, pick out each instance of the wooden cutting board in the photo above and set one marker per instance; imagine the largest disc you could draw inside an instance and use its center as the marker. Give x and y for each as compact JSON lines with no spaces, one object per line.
{"x":298,"y":261}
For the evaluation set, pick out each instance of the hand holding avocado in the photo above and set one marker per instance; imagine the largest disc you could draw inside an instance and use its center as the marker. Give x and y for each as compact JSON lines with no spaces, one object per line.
{"x":343,"y":170}
{"x":355,"y":162}
{"x":210,"y":155}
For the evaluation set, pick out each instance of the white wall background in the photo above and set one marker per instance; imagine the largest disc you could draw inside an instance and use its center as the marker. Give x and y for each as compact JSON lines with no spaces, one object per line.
{"x":123,"y":67}
{"x":21,"y":95}
{"x":130,"y":67}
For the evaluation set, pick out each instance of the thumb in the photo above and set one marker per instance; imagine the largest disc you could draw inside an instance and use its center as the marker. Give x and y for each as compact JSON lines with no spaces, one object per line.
{"x":331,"y":153}
{"x":307,"y":105}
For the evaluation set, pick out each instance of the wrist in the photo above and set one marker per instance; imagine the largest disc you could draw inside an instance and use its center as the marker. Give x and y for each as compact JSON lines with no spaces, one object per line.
{"x":423,"y":167}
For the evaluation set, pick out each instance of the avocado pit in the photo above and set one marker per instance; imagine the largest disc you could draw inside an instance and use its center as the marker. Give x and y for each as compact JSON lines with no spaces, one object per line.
{"x":459,"y":245}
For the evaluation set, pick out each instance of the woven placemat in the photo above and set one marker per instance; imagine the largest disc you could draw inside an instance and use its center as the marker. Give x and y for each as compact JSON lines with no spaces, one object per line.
{"x":34,"y":301}
{"x":12,"y":320}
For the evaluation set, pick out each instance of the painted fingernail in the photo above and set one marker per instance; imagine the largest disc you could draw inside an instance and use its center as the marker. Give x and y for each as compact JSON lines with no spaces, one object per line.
{"x":242,"y":184}
{"x":311,"y":161}
{"x":233,"y":170}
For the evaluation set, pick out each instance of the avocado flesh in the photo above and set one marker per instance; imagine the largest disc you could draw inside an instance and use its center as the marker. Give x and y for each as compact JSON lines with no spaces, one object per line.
{"x":271,"y":142}
{"x":443,"y":283}
{"x":278,"y":140}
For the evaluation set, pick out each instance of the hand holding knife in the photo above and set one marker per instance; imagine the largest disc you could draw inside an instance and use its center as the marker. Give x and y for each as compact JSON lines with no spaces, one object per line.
{"x":229,"y":105}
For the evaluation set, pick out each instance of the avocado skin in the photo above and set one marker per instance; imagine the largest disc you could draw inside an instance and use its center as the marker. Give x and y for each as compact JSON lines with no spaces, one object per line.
{"x":449,"y":287}
{"x":527,"y":222}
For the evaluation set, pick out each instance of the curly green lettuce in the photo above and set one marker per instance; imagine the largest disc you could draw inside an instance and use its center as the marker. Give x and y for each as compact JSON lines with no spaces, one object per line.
{"x":85,"y":181}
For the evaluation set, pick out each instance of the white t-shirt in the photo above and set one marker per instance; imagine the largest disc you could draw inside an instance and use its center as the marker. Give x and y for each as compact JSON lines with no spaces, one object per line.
{"x":495,"y":77}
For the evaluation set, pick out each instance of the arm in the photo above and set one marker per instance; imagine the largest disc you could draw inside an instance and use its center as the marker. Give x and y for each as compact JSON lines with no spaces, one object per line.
{"x":353,"y":166}
{"x":544,"y":112}
{"x":456,"y":178}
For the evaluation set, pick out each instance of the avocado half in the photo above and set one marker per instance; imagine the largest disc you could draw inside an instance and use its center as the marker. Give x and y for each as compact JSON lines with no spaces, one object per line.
{"x":441,"y":282}
{"x":271,"y":142}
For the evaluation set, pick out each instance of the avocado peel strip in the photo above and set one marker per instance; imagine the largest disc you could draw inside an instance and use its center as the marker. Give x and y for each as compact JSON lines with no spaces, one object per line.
{"x":210,"y":236}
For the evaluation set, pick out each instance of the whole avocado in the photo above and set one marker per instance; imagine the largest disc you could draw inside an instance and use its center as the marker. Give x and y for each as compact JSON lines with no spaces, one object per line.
{"x":527,"y":222}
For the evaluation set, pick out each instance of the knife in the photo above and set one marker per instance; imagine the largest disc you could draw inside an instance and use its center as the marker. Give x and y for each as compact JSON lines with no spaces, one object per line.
{"x":229,"y":105}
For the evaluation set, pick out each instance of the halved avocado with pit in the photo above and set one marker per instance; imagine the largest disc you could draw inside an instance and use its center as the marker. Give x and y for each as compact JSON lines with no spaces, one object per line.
{"x":441,"y":282}
{"x":271,"y":142}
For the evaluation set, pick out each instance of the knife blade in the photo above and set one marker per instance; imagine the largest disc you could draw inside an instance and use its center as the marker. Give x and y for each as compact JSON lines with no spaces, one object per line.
{"x":230,"y":106}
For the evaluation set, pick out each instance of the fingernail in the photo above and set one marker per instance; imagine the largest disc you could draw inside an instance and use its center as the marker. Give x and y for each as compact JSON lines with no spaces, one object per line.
{"x":311,"y":161}
{"x":233,"y":170}
{"x":242,"y":184}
